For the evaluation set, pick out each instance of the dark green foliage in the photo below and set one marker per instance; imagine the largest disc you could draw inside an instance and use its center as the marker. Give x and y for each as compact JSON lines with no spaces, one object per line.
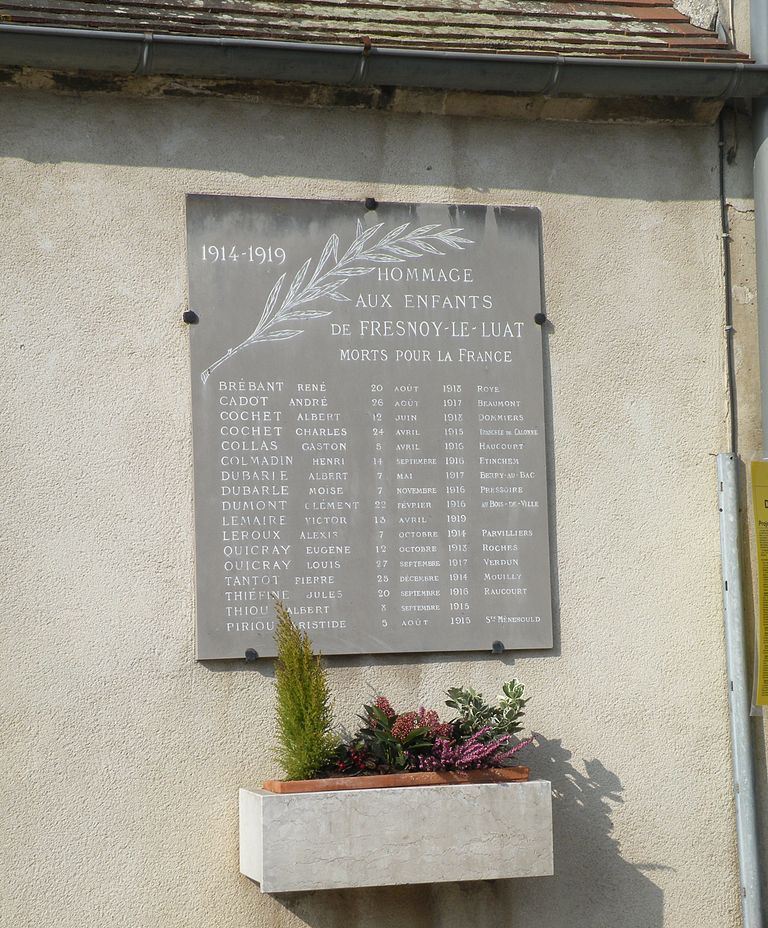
{"x":304,"y":708}
{"x":390,"y":742}
{"x":386,"y":743}
{"x":391,"y":750}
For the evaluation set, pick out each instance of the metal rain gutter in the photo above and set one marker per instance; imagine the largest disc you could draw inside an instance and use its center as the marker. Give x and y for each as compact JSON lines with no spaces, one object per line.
{"x":254,"y":59}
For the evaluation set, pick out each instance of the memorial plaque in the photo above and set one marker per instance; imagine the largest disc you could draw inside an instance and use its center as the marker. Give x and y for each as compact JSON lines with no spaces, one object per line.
{"x":368,"y":419}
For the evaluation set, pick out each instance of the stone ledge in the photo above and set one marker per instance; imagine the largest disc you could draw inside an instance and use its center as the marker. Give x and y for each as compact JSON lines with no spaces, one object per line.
{"x":388,"y":837}
{"x":401,"y":100}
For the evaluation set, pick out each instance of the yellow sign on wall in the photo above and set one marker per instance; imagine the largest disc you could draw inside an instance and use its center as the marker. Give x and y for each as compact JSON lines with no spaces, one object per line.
{"x":760,"y":511}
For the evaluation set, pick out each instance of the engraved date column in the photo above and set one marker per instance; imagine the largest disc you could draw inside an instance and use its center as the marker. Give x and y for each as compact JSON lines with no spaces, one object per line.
{"x":456,"y":503}
{"x":381,"y":515}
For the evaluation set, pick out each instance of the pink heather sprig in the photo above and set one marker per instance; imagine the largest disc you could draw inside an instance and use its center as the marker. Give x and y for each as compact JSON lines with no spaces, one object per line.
{"x":510,"y":752}
{"x":471,"y":754}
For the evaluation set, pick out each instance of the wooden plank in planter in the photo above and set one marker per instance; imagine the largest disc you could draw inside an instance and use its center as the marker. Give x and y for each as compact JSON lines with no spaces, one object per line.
{"x":388,"y":780}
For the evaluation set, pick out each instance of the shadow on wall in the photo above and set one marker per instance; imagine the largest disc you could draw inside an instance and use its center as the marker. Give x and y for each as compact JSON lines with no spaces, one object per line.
{"x":597,"y":887}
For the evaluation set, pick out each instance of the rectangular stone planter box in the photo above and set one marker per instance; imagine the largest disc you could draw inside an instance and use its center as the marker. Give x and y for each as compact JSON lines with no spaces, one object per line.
{"x":293,"y":842}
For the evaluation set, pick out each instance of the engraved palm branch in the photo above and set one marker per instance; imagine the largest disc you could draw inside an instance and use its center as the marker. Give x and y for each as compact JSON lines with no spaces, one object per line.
{"x":331,"y":273}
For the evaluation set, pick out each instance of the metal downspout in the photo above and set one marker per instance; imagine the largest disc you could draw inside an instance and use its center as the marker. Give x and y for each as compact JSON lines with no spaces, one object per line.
{"x":759,"y":51}
{"x":730,"y":521}
{"x":738,"y":691}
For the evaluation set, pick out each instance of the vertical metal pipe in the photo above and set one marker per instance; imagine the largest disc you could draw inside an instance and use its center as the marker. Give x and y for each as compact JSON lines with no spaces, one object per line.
{"x":725,"y":229}
{"x":758,"y":35}
{"x":760,"y":173}
{"x":738,"y":692}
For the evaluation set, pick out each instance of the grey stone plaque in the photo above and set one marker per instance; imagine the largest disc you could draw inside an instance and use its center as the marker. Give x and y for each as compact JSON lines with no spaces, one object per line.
{"x":368,"y":416}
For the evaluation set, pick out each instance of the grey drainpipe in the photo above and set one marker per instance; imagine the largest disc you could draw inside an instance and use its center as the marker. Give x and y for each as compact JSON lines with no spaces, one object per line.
{"x":759,"y":51}
{"x":758,"y":29}
{"x":758,"y":23}
{"x":251,"y":59}
{"x":246,"y":59}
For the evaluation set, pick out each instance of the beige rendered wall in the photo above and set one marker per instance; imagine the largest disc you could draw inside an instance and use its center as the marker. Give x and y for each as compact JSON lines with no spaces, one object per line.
{"x":122,"y":756}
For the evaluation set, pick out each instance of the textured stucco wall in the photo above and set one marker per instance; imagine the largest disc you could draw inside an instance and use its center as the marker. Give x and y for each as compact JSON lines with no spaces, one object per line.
{"x":122,"y":755}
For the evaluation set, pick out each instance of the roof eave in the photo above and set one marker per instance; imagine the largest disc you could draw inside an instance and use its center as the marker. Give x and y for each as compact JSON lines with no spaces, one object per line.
{"x":253,"y":59}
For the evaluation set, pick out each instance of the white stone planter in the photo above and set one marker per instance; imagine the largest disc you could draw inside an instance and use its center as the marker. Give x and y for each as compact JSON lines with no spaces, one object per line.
{"x":386,"y":837}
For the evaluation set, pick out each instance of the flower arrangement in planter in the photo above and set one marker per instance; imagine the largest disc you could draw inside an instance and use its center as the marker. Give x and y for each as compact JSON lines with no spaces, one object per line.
{"x":478,"y":743}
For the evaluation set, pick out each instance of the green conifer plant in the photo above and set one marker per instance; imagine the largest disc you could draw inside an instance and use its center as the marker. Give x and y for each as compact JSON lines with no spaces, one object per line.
{"x":304,"y":706}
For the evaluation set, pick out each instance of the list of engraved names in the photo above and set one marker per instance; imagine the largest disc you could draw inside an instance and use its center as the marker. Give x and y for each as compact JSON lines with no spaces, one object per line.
{"x":368,"y":426}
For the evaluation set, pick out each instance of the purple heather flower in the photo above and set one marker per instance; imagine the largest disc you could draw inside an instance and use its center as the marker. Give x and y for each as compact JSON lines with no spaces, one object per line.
{"x":470,"y":754}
